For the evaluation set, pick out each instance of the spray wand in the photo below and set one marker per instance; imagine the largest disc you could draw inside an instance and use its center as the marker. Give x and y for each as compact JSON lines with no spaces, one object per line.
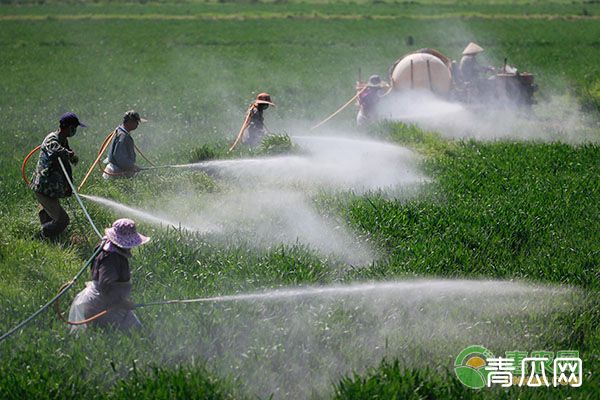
{"x":339,"y":110}
{"x":242,"y":129}
{"x":103,"y":147}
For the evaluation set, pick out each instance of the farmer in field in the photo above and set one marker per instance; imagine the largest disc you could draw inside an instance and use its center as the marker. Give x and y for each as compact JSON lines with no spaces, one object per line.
{"x":121,"y":155}
{"x":256,"y":128}
{"x":49,"y":182}
{"x":470,"y":70}
{"x":111,"y":281}
{"x":253,"y":128}
{"x":368,"y":98}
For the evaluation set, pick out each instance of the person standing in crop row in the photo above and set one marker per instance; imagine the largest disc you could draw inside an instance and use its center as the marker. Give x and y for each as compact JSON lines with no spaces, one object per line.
{"x":256,"y":128}
{"x":369,"y":97}
{"x":49,"y":182}
{"x":121,"y":156}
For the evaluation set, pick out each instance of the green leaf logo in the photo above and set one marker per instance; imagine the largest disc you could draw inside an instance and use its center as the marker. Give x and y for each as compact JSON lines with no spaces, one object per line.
{"x":470,"y":366}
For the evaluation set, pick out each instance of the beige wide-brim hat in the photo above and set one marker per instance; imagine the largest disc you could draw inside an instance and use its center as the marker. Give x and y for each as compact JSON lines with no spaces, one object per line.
{"x":472,"y":48}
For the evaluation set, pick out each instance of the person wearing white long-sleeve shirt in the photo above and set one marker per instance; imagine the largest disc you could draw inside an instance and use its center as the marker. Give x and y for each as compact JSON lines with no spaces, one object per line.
{"x":121,"y":156}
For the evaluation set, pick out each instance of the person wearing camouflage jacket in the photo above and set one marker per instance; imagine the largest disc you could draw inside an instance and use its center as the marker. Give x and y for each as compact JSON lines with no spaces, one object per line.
{"x":49,"y":182}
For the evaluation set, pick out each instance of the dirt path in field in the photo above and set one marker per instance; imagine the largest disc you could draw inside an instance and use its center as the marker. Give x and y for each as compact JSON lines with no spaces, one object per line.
{"x":312,"y":16}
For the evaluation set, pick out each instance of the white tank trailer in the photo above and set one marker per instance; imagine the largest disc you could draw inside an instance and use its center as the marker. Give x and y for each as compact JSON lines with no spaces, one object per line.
{"x":428,"y":69}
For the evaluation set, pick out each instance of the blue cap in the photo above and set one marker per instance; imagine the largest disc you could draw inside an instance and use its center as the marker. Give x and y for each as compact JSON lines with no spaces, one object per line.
{"x":71,"y":119}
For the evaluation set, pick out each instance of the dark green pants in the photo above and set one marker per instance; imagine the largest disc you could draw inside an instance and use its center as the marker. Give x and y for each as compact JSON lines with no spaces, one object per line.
{"x":53,"y":217}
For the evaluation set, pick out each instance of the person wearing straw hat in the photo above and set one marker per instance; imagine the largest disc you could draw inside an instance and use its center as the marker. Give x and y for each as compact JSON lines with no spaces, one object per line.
{"x":111,"y":280}
{"x":368,"y":98}
{"x":121,"y":156}
{"x":255,"y":125}
{"x":470,"y":70}
{"x":49,"y":182}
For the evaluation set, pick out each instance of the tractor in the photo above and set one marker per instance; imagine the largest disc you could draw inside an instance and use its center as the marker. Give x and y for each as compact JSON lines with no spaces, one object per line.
{"x":428,"y":69}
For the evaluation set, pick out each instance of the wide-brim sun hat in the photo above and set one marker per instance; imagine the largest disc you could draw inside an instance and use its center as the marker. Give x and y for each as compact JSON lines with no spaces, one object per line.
{"x":471,"y":49}
{"x":123,"y":233}
{"x":264,"y":98}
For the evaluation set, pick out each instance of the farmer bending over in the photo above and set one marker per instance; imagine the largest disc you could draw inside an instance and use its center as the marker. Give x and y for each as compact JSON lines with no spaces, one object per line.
{"x":121,"y":156}
{"x":256,"y":128}
{"x":49,"y":182}
{"x":368,"y":99}
{"x":111,"y":280}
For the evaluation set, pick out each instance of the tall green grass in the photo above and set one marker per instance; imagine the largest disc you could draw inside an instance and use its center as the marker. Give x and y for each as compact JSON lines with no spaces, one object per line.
{"x":502,"y":210}
{"x":497,"y":210}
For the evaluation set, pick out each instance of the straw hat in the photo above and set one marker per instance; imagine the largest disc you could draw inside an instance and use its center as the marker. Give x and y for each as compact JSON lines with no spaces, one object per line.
{"x":471,"y":49}
{"x":124,"y":234}
{"x":264,"y":98}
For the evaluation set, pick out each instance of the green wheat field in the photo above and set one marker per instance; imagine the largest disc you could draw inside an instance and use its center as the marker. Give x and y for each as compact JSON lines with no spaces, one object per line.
{"x":511,"y":208}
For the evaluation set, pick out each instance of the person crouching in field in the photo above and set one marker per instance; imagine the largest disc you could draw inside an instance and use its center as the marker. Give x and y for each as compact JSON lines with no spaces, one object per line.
{"x":49,"y":182}
{"x":111,"y":281}
{"x":121,"y":156}
{"x":368,"y":98}
{"x":256,"y":128}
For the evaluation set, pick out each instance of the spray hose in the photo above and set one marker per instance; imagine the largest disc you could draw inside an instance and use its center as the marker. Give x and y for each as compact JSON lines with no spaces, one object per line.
{"x":389,"y":90}
{"x":138,"y":305}
{"x":74,"y":190}
{"x":141,"y":169}
{"x":241,"y":133}
{"x":25,"y":160}
{"x":64,"y":288}
{"x":65,"y":320}
{"x":143,"y":156}
{"x":105,"y":144}
{"x":103,"y":148}
{"x":104,"y":171}
{"x":339,"y":110}
{"x":61,"y":293}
